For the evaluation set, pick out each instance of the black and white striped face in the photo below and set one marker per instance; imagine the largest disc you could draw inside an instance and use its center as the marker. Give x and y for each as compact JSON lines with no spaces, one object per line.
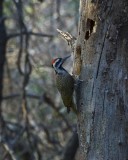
{"x":56,"y":63}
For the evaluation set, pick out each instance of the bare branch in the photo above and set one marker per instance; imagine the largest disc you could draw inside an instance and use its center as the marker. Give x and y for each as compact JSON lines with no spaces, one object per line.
{"x":68,"y":37}
{"x":71,"y":147}
{"x":3,"y":43}
{"x":9,"y":151}
{"x":18,"y":95}
{"x":30,"y":33}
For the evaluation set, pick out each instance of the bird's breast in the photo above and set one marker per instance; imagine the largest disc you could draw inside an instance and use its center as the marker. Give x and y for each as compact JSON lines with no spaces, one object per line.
{"x":64,"y":82}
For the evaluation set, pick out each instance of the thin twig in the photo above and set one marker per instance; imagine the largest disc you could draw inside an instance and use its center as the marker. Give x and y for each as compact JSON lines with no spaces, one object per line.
{"x":10,"y":151}
{"x":30,"y":33}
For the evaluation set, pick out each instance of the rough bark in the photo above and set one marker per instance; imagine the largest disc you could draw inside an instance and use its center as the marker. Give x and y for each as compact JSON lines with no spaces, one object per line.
{"x":102,"y":97}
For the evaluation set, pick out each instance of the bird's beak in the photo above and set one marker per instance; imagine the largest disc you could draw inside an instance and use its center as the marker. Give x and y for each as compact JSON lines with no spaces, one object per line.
{"x":65,"y":58}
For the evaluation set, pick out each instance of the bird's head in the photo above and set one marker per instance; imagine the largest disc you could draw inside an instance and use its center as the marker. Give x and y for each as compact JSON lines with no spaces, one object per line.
{"x":58,"y":62}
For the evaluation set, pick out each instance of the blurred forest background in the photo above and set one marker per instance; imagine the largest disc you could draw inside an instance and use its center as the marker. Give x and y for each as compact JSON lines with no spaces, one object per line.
{"x":34,"y":124}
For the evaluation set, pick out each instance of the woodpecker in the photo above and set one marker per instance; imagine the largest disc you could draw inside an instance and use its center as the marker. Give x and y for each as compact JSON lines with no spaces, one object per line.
{"x":65,"y":83}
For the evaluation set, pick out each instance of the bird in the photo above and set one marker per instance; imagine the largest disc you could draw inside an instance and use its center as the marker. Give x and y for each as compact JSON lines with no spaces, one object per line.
{"x":65,"y":83}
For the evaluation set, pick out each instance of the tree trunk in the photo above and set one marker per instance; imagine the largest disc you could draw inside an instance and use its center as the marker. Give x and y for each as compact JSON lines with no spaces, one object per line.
{"x":102,"y":97}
